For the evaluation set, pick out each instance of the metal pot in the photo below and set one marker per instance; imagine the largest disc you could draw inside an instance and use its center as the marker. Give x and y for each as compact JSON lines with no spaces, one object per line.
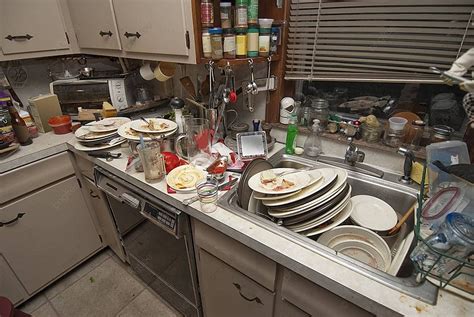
{"x":87,"y":71}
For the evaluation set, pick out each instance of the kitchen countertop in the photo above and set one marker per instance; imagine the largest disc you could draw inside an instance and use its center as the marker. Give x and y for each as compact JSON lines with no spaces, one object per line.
{"x":318,"y":268}
{"x":46,"y":144}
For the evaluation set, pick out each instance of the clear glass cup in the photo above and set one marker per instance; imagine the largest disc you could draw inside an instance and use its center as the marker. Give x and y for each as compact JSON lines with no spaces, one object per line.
{"x":207,"y":191}
{"x":152,"y":161}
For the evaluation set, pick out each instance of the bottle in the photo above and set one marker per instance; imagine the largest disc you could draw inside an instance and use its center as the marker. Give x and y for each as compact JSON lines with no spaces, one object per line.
{"x":206,"y":44}
{"x":312,"y":145}
{"x":252,"y":12}
{"x":19,"y":126}
{"x":241,"y":14}
{"x":207,"y":13}
{"x":291,"y":135}
{"x":252,"y":41}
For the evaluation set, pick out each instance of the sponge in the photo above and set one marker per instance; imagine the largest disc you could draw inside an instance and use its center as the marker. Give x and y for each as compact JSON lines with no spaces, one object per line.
{"x":417,"y":173}
{"x":108,"y":110}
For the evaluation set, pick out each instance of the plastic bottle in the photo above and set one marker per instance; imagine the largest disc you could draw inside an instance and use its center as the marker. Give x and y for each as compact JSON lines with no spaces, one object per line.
{"x":291,"y":135}
{"x":312,"y":145}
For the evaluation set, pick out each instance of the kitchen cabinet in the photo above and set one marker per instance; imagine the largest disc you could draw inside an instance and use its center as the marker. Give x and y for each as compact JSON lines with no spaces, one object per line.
{"x":10,"y":286}
{"x":94,"y":24}
{"x":54,"y":234}
{"x":32,"y":26}
{"x":154,"y":27}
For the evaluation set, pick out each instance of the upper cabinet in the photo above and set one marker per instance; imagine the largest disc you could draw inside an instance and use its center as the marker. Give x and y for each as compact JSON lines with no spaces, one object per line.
{"x":94,"y":24}
{"x":155,"y":27}
{"x":32,"y":26}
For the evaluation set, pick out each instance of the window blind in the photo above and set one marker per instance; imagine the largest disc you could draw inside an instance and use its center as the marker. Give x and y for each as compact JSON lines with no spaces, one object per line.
{"x":379,"y":40}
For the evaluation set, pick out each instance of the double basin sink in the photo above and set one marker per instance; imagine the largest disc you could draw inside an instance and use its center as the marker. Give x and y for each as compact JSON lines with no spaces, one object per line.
{"x":364,"y":180}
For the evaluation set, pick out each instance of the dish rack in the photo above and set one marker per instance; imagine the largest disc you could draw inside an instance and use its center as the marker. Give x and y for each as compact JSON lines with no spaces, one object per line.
{"x":463,"y":265}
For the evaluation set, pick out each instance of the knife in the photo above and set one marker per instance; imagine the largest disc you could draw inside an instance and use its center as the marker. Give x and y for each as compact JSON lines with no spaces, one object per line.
{"x":230,"y":183}
{"x":104,"y":154}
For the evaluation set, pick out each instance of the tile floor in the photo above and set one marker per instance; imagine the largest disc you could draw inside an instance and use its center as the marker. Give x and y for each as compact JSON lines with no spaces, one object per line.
{"x":103,"y":286}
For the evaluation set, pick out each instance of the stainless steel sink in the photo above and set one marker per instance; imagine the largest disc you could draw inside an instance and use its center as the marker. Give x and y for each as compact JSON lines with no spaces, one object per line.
{"x":387,"y":187}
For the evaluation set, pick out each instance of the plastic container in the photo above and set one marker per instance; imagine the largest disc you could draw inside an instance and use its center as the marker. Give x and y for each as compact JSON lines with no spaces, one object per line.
{"x":206,"y":44}
{"x":241,"y":43}
{"x":264,"y":40}
{"x":395,"y":132}
{"x":397,"y":123}
{"x":60,"y":124}
{"x":226,"y":15}
{"x":207,"y":13}
{"x":241,"y":14}
{"x":274,"y":40}
{"x":252,"y":41}
{"x":216,"y":43}
{"x":265,"y":24}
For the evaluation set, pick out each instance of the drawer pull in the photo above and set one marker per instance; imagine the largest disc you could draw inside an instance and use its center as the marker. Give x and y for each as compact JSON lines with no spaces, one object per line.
{"x":91,"y":193}
{"x":255,"y":299}
{"x":21,"y":214}
{"x":102,"y":33}
{"x":136,"y":34}
{"x":19,"y":37}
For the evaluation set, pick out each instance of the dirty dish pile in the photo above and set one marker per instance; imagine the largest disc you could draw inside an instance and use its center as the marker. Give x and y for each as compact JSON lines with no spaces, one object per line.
{"x":100,"y":135}
{"x":153,"y":129}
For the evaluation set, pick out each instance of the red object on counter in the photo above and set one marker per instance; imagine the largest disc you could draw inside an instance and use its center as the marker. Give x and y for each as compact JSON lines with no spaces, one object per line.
{"x":60,"y":124}
{"x":172,"y":161}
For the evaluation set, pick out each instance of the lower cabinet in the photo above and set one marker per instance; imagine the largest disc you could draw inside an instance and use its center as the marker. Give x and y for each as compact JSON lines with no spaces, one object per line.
{"x":52,"y":231}
{"x":10,"y":286}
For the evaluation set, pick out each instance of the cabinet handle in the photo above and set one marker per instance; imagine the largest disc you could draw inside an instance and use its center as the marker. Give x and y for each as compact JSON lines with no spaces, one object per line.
{"x":91,"y":193}
{"x":255,"y":299}
{"x":102,"y":33}
{"x":18,"y":216}
{"x":136,"y":34}
{"x":19,"y":37}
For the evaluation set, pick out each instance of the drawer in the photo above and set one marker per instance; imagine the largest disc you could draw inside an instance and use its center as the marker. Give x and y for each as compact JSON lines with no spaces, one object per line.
{"x":33,"y":176}
{"x":253,"y":264}
{"x":85,"y":166}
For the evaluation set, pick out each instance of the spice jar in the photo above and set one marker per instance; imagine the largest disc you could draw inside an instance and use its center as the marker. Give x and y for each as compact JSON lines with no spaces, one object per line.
{"x":206,"y":44}
{"x":229,"y":43}
{"x":252,"y":12}
{"x":252,"y":41}
{"x":207,"y":13}
{"x":226,"y":15}
{"x":241,"y":14}
{"x":241,"y":43}
{"x":216,"y":43}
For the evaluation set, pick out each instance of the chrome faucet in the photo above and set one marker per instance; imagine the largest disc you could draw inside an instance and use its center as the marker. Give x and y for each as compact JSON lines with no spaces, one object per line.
{"x":353,"y":154}
{"x":407,"y":165}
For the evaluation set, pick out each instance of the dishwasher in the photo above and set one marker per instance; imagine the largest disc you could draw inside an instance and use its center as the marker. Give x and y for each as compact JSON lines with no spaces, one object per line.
{"x":157,"y":241}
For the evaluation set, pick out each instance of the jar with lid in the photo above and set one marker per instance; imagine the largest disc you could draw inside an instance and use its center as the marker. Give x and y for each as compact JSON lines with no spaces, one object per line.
{"x":206,"y":44}
{"x":226,"y":15}
{"x":229,"y":44}
{"x":416,"y":134}
{"x":216,"y":43}
{"x":441,"y":133}
{"x":241,"y":43}
{"x":320,"y":111}
{"x":252,"y":41}
{"x":207,"y":13}
{"x":264,"y":37}
{"x":395,"y":132}
{"x":241,"y":14}
{"x":252,"y":12}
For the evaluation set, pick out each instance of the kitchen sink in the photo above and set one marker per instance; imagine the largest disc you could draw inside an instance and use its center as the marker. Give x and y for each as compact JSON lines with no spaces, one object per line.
{"x":385,"y":186}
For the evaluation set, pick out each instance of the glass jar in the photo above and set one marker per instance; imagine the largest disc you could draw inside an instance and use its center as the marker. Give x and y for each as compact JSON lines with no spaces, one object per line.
{"x":252,"y":12}
{"x":241,"y":14}
{"x":441,"y":133}
{"x":371,"y":134}
{"x":320,"y":111}
{"x":274,"y":37}
{"x":206,"y":44}
{"x":416,"y":134}
{"x":241,"y":43}
{"x":207,"y":13}
{"x":252,"y":41}
{"x":229,"y":44}
{"x":216,"y":43}
{"x":226,"y":15}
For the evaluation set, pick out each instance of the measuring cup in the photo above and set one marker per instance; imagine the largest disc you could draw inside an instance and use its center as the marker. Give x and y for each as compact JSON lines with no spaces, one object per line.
{"x":197,"y":143}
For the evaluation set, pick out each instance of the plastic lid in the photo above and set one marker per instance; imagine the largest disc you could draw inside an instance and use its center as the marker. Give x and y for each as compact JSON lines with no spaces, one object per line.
{"x":229,"y":31}
{"x":462,"y":225}
{"x":226,"y":4}
{"x":265,"y":23}
{"x":252,"y":29}
{"x":241,"y":30}
{"x":397,"y":123}
{"x":241,"y":2}
{"x":275,"y":29}
{"x":215,"y":31}
{"x":419,"y":123}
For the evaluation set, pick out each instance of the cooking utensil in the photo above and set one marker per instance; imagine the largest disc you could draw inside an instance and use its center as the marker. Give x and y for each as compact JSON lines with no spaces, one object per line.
{"x":403,"y":219}
{"x":109,"y":156}
{"x":252,"y":87}
{"x":230,"y":183}
{"x":188,"y":85}
{"x":204,"y":87}
{"x":269,"y":75}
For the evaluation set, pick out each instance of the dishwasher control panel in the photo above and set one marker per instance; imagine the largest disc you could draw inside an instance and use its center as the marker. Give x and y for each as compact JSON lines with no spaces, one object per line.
{"x":166,"y":219}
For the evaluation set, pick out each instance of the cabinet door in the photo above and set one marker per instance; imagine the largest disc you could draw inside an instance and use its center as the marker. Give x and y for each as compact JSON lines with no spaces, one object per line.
{"x":10,"y":287}
{"x":32,"y":26}
{"x":55,"y":233}
{"x":227,"y":292}
{"x":94,"y":24}
{"x":150,"y":26}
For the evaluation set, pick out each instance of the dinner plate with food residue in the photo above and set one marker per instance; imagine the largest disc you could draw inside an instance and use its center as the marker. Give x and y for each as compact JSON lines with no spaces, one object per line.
{"x":184,"y":178}
{"x":107,"y":124}
{"x":125,"y":131}
{"x":268,"y":181}
{"x":155,"y":125}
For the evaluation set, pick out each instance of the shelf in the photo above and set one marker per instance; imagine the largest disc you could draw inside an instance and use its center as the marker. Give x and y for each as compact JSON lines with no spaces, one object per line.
{"x":240,"y":61}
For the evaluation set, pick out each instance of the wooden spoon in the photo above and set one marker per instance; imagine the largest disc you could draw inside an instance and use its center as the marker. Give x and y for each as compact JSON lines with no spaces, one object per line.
{"x":403,"y":219}
{"x":188,"y":86}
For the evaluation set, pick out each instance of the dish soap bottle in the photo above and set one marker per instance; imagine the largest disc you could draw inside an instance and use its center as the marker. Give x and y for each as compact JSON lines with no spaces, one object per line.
{"x":291,"y":134}
{"x":312,"y":145}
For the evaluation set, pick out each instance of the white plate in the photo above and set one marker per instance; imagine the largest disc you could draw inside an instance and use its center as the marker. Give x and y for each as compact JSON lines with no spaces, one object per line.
{"x":331,"y":223}
{"x":363,"y":252}
{"x":265,"y":197}
{"x":84,"y":148}
{"x":343,"y":233}
{"x":84,"y":134}
{"x":140,"y":125}
{"x":125,"y":131}
{"x":107,"y":124}
{"x":196,"y":175}
{"x":300,"y":180}
{"x":328,"y":175}
{"x":254,"y":204}
{"x":373,"y":213}
{"x":401,"y":254}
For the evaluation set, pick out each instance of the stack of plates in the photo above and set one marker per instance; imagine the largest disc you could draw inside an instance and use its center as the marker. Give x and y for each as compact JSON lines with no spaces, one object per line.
{"x":100,"y":135}
{"x":162,"y":128}
{"x":319,"y":201}
{"x":359,"y":243}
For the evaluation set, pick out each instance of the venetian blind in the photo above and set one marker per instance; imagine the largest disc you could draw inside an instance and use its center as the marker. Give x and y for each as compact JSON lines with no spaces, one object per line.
{"x":379,"y":40}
